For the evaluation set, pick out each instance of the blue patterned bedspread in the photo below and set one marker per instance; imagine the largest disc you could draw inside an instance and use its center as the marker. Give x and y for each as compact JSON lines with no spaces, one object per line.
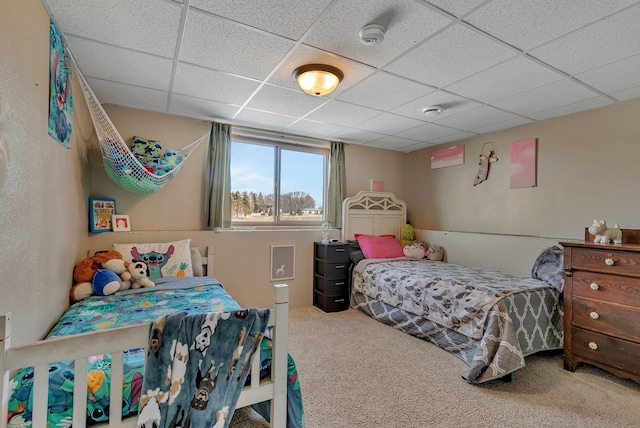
{"x":192,"y":295}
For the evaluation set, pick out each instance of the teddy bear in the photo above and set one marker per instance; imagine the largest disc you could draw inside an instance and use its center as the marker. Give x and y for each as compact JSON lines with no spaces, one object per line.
{"x":137,"y":275}
{"x":84,"y":272}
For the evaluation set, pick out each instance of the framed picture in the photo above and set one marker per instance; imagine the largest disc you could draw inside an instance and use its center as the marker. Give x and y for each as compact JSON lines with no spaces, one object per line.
{"x":376,"y":185}
{"x":450,"y":156}
{"x":522,"y":169}
{"x":120,"y":223}
{"x":283,"y":264}
{"x":100,"y":212}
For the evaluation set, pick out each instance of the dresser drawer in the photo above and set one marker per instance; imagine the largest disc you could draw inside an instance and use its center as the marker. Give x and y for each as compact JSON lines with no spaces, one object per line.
{"x":616,"y":289}
{"x":624,"y":263}
{"x":614,"y":352}
{"x":330,"y":287}
{"x":616,"y":320}
{"x":333,"y":252}
{"x":332,"y":270}
{"x":331,"y":304}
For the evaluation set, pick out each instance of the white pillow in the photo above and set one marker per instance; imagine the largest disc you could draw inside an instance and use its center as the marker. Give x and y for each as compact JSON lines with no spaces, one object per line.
{"x":164,"y":259}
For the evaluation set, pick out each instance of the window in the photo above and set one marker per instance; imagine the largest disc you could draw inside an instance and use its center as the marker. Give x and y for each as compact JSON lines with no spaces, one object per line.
{"x":276,"y":182}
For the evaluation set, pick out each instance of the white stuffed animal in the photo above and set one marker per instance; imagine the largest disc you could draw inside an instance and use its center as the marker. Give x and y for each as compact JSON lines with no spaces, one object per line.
{"x":603,"y":234}
{"x":137,"y":275}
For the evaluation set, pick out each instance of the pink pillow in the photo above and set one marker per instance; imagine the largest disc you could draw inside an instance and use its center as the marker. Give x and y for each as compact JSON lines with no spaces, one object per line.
{"x":379,"y":246}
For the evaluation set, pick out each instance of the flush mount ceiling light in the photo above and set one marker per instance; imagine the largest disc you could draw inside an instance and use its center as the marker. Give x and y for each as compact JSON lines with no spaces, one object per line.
{"x":432,"y":111}
{"x":317,"y":79}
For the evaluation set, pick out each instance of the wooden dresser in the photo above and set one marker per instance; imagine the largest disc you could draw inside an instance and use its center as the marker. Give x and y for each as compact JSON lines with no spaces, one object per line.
{"x":602,"y":304}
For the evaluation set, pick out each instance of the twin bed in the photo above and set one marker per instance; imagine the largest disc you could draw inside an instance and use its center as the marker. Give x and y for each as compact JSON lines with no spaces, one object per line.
{"x":490,"y":320}
{"x":102,"y":342}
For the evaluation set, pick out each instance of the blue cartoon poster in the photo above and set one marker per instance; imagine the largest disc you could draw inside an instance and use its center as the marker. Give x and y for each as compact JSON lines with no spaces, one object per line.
{"x":60,"y":100}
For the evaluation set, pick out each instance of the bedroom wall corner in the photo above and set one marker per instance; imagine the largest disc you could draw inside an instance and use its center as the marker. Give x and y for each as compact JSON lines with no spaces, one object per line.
{"x":43,"y":185}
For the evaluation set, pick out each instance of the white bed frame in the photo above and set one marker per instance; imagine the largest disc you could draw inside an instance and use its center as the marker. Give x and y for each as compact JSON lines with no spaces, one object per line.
{"x":115,"y":341}
{"x":373,"y":213}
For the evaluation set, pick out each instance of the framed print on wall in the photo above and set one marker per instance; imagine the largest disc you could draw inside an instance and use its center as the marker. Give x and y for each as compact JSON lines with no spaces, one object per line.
{"x":522,"y":169}
{"x":283,"y":259}
{"x":100,"y":212}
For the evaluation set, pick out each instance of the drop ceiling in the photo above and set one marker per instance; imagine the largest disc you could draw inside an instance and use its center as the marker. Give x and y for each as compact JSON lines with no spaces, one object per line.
{"x":491,"y":64}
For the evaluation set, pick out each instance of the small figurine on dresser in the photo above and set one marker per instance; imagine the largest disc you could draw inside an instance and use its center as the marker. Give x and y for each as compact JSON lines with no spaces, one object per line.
{"x":603,"y":234}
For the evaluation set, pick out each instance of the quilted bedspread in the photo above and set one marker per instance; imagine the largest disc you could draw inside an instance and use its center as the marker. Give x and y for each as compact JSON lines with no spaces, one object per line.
{"x":490,"y":320}
{"x":192,"y":295}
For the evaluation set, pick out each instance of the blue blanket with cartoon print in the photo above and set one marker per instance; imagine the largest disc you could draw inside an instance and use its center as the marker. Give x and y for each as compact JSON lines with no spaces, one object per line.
{"x":197,"y":365}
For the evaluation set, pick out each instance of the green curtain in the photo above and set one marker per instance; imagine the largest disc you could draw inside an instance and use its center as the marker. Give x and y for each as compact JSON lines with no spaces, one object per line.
{"x":217,"y":188}
{"x":337,"y":185}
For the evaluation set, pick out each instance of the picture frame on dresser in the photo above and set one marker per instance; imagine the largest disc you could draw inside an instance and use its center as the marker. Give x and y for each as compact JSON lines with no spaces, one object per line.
{"x":602,"y":304}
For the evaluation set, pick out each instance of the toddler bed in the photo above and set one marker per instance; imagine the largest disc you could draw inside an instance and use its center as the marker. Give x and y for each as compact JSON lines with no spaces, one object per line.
{"x":101,"y":342}
{"x":490,"y":320}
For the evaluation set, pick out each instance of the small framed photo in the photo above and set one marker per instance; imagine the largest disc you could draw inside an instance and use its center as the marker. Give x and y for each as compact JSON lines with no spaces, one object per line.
{"x":100,"y":212}
{"x":283,"y":258}
{"x":120,"y":223}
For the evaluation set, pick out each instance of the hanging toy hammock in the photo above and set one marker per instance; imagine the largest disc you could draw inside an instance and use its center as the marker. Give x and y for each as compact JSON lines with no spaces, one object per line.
{"x":121,"y":165}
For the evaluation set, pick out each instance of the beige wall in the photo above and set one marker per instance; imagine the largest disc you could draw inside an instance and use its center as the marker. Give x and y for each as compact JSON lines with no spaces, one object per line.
{"x":588,"y":167}
{"x":175,"y":212}
{"x":43,"y":186}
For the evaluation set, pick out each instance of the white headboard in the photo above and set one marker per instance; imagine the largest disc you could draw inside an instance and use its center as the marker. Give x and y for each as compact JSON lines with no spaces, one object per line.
{"x":373,"y":213}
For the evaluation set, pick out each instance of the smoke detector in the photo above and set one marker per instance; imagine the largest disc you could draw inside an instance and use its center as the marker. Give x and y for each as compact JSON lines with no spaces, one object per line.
{"x":372,"y":34}
{"x":432,"y":111}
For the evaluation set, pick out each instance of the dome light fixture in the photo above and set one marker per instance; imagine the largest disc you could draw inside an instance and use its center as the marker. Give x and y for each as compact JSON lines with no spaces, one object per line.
{"x":432,"y":111}
{"x":317,"y":79}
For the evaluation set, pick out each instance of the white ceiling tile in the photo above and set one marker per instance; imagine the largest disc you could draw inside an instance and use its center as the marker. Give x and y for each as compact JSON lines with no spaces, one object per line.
{"x":451,"y":103}
{"x":384,"y":91}
{"x":391,"y":143}
{"x":527,"y":24}
{"x":572,"y":108}
{"x":122,"y":65}
{"x":288,"y":18}
{"x":451,"y":138}
{"x":272,"y":121}
{"x":546,"y":97}
{"x":627,"y":94}
{"x":342,"y":113}
{"x":455,"y":53}
{"x":418,"y":146}
{"x":508,"y":78}
{"x":406,"y":23}
{"x":129,"y":96}
{"x":144,"y":25}
{"x":614,"y":77}
{"x":468,"y":120}
{"x":507,"y":124}
{"x":457,"y":7}
{"x":356,"y":136}
{"x":201,"y":109}
{"x":427,"y":132}
{"x":284,"y":101}
{"x":208,"y":40}
{"x":388,"y":123}
{"x":201,"y":82}
{"x":599,"y":44}
{"x":314,"y":128}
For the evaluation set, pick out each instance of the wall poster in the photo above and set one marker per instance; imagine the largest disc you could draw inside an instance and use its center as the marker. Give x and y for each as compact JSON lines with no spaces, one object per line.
{"x":523,"y":164}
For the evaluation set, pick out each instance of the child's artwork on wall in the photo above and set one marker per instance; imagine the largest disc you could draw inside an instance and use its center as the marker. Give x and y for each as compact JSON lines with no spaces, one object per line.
{"x":447,"y":157}
{"x":101,"y":211}
{"x":60,"y":99}
{"x":523,"y":164}
{"x":120,"y":223}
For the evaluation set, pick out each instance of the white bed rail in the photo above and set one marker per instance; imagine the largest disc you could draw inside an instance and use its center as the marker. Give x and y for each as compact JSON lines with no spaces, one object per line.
{"x":115,"y":342}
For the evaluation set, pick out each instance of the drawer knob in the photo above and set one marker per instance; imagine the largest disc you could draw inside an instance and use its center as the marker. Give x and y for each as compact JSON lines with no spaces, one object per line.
{"x":594,"y":286}
{"x":593,"y":345}
{"x":609,"y":261}
{"x":594,"y":315}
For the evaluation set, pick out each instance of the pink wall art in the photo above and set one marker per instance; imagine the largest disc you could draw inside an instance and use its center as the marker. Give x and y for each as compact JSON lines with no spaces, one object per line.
{"x":523,"y":164}
{"x":447,"y":157}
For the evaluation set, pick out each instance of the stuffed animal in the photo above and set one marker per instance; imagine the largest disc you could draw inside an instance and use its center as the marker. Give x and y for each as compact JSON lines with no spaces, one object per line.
{"x":603,"y":234}
{"x":416,"y":250}
{"x":138,"y":275}
{"x":408,"y":235}
{"x":119,"y":267}
{"x":435,"y":253}
{"x":105,"y":282}
{"x":84,"y":272}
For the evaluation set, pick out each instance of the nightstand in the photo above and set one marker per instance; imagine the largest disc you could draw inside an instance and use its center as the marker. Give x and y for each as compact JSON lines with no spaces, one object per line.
{"x":331,"y":276}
